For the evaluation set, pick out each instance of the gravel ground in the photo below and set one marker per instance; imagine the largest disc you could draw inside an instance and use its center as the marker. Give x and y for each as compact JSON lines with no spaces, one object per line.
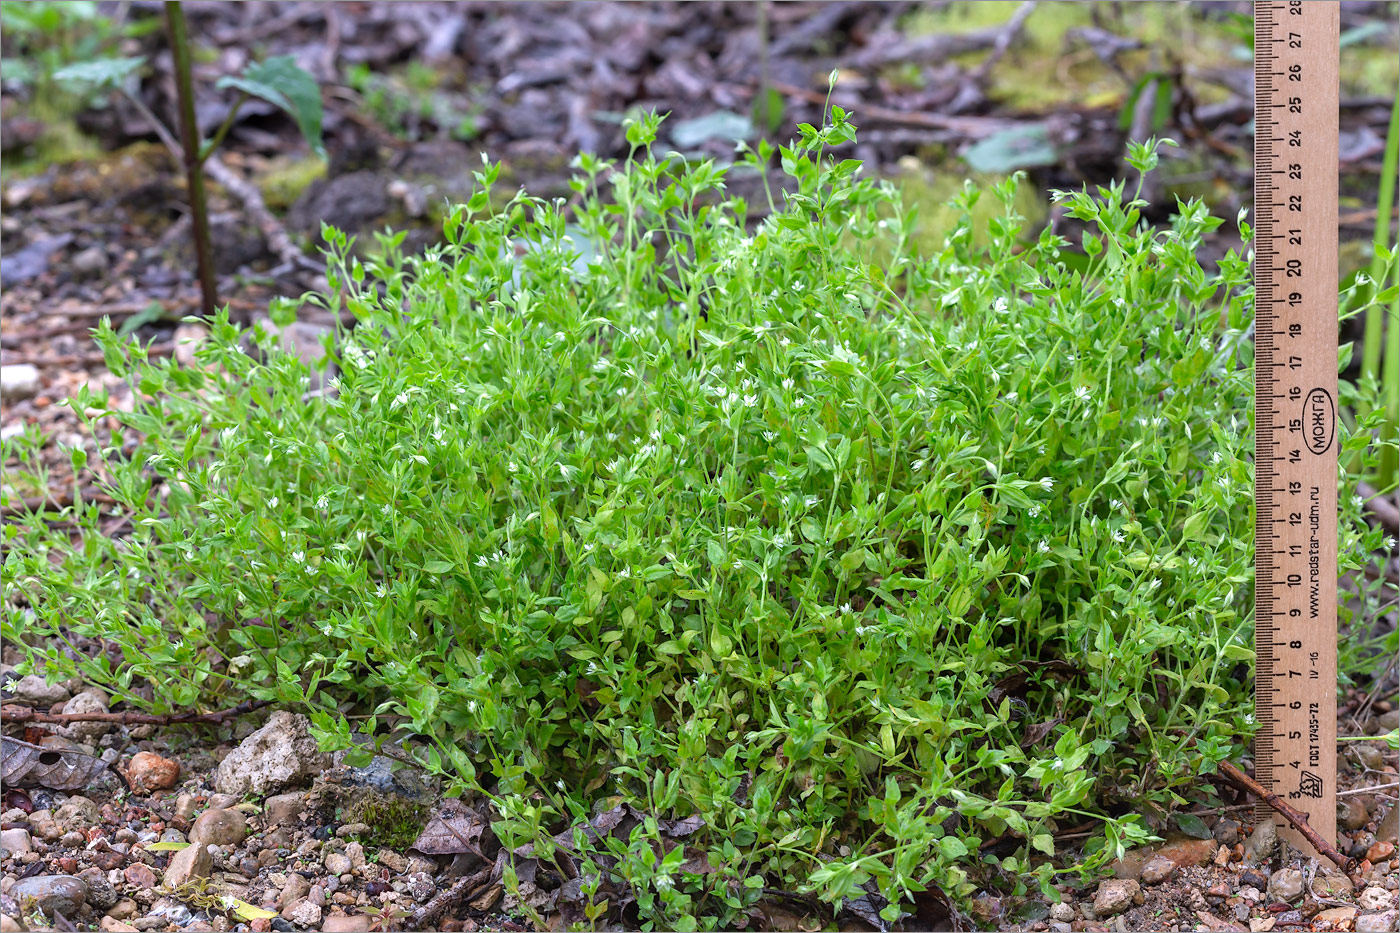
{"x":247,"y":826}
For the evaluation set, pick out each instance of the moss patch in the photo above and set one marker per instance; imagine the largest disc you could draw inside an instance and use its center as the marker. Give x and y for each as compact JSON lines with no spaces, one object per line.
{"x":394,"y":822}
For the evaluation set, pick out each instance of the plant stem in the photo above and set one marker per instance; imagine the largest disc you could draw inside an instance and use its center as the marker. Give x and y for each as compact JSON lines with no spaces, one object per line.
{"x":190,"y":144}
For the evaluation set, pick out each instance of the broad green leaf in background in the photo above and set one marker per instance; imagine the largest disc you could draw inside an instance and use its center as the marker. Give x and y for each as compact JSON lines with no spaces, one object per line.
{"x":723,"y":125}
{"x":1010,"y":149}
{"x":280,"y":81}
{"x":102,"y":72}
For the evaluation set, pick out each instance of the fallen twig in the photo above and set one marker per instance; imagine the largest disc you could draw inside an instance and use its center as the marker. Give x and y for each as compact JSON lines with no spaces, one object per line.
{"x":1368,"y":790}
{"x":272,"y":230}
{"x":13,"y":713}
{"x":424,"y":917}
{"x":1297,"y":819}
{"x":1008,"y":34}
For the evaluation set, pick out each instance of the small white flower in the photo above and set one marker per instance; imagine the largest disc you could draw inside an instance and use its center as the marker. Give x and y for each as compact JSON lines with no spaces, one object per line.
{"x":1118,"y":536}
{"x":625,"y":573}
{"x":750,"y":401}
{"x":783,"y":341}
{"x":770,"y":436}
{"x":298,"y":557}
{"x":1082,"y":393}
{"x":1000,"y":305}
{"x":845,"y":609}
{"x":787,"y":382}
{"x":1034,"y":510}
{"x":511,"y":466}
{"x":664,"y":882}
{"x":381,"y":591}
{"x":1249,"y":719}
{"x":1115,"y":504}
{"x":323,"y":501}
{"x":1043,"y":547}
{"x":559,"y":783}
{"x":1047,"y":483}
{"x":800,"y":402}
{"x":810,"y":501}
{"x":471,"y":706}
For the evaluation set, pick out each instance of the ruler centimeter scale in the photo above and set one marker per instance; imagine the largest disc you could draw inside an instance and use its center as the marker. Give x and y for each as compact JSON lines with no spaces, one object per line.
{"x":1295,"y":407}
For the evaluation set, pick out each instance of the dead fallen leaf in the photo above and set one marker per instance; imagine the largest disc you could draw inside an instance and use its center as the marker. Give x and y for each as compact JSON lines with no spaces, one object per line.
{"x":454,"y":829}
{"x":26,"y":765}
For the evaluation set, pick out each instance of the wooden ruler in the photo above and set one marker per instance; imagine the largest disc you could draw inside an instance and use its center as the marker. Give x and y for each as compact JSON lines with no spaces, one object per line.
{"x":1295,"y":407}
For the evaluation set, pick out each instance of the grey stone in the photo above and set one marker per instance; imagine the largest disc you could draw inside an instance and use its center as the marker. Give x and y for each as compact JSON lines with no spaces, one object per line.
{"x":222,"y":801}
{"x":89,"y":701}
{"x":189,"y":863}
{"x":337,"y":863}
{"x":15,"y":842}
{"x":1157,"y":869}
{"x":1227,"y":832}
{"x":1062,"y":912}
{"x":89,"y":263}
{"x":220,"y":828}
{"x":78,"y":813}
{"x":1368,"y":756}
{"x":1374,"y":898}
{"x":1286,"y":885}
{"x":43,"y":824}
{"x":1390,"y":823}
{"x":302,"y":912}
{"x":33,"y":690}
{"x":17,"y":381}
{"x":1351,"y":813}
{"x":1381,"y":922}
{"x":1115,"y":896}
{"x":296,"y":888}
{"x":1261,"y":843}
{"x":185,"y":805}
{"x":284,"y":809}
{"x":63,"y":894}
{"x":280,"y":754}
{"x":100,"y":893}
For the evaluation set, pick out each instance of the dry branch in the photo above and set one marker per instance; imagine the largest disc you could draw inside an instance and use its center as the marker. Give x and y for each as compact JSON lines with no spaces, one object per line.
{"x":12,"y":713}
{"x":1297,"y":819}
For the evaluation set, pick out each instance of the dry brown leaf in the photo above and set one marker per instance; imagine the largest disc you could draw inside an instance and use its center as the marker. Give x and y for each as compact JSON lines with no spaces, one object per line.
{"x":26,"y":765}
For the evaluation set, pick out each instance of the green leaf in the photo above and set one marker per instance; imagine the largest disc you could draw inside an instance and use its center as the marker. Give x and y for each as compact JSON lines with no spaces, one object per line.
{"x":952,"y":847}
{"x":1011,"y":149}
{"x":104,"y":72}
{"x":1195,"y":525}
{"x":1193,"y":826}
{"x":438,"y":566}
{"x":167,"y":846}
{"x":1044,"y":842}
{"x":722,"y":125}
{"x":280,"y":81}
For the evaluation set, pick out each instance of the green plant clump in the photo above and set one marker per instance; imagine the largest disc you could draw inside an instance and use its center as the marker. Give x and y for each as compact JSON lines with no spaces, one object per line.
{"x":634,"y":500}
{"x":393,"y":822}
